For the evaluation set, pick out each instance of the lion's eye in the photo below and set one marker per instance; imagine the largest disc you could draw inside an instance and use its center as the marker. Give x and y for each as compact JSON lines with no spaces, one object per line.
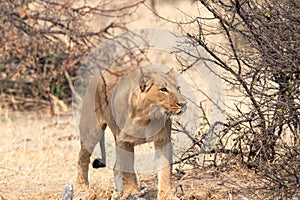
{"x":164,"y":89}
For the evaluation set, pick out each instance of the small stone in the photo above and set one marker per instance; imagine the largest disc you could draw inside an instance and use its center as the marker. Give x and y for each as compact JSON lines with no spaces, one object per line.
{"x":68,"y":192}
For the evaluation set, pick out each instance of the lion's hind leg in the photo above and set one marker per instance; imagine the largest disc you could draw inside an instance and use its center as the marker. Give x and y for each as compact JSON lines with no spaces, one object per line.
{"x":82,"y":190}
{"x":89,"y":137}
{"x":83,"y":165}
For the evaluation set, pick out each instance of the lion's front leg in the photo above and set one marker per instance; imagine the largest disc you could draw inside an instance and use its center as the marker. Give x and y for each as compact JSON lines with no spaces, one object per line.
{"x":125,"y":167}
{"x":163,"y":156}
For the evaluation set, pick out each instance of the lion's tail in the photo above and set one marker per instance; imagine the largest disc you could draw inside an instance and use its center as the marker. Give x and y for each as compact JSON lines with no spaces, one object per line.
{"x":101,"y":162}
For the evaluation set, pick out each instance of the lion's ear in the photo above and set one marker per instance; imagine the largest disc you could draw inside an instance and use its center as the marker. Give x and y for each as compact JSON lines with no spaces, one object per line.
{"x":145,"y":84}
{"x":172,"y":73}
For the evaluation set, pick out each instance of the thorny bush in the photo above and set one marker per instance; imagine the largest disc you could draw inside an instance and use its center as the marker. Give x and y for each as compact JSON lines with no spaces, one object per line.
{"x":258,"y":59}
{"x":42,"y":43}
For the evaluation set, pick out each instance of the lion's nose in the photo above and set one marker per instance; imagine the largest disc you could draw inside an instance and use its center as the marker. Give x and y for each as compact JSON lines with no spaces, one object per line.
{"x":182,"y":105}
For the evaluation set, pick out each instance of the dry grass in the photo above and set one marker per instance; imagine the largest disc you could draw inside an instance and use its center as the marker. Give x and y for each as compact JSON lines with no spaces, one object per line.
{"x":38,"y":156}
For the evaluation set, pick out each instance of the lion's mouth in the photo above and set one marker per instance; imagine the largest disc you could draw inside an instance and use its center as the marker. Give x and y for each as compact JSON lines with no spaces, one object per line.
{"x":176,"y":112}
{"x":179,"y":112}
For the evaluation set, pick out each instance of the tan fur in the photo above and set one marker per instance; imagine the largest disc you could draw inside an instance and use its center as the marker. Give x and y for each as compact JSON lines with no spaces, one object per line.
{"x":136,"y":104}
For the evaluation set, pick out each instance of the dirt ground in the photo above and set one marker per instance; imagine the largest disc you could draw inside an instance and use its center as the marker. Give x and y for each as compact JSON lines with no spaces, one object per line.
{"x":38,"y":156}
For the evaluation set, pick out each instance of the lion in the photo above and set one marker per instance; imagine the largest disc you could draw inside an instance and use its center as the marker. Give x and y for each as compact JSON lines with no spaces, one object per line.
{"x":136,"y":103}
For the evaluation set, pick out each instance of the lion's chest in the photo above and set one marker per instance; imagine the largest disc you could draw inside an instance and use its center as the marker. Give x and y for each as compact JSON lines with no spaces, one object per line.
{"x":156,"y":130}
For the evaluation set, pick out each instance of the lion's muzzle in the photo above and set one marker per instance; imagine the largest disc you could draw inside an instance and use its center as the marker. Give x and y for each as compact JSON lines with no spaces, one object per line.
{"x":181,"y":108}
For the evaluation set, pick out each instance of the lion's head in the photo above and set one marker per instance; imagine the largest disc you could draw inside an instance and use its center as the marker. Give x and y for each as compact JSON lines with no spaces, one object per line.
{"x":158,"y":96}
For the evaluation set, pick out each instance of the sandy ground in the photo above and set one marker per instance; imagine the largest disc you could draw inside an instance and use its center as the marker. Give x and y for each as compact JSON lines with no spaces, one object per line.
{"x":38,"y":155}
